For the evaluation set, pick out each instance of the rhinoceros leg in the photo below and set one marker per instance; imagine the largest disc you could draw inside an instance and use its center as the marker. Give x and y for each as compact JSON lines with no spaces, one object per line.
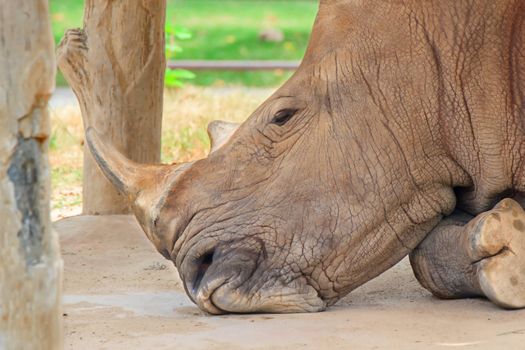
{"x":467,"y":256}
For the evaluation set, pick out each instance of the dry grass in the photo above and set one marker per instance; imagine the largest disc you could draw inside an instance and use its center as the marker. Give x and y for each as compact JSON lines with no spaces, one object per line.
{"x":186,"y":114}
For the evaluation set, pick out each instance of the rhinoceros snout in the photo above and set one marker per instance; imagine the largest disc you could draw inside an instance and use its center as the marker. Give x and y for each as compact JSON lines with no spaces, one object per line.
{"x":218,"y":271}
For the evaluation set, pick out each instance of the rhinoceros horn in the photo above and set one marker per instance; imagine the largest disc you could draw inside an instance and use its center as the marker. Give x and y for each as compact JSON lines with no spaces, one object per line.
{"x":128,"y":177}
{"x":220,"y":132}
{"x":144,"y":185}
{"x":131,"y":178}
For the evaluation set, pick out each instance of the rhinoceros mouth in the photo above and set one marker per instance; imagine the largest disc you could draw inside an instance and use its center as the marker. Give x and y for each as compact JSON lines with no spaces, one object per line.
{"x":193,"y":272}
{"x":202,"y":267}
{"x":207,"y":268}
{"x":201,"y":279}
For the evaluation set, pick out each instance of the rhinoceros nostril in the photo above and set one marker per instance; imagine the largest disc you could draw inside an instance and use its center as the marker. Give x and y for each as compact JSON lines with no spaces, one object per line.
{"x":203,"y":263}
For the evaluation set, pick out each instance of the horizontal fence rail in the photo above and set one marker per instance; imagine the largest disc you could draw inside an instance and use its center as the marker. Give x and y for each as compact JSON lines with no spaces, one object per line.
{"x":232,"y":65}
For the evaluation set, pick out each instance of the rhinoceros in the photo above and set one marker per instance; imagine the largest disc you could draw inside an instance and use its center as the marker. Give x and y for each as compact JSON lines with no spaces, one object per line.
{"x":401,"y":133}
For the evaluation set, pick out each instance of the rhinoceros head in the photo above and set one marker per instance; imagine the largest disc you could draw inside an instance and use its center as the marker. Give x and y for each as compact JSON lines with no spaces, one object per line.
{"x":331,"y":181}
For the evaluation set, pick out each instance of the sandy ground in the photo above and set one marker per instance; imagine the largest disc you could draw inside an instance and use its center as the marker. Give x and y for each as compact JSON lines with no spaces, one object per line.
{"x":121,"y":294}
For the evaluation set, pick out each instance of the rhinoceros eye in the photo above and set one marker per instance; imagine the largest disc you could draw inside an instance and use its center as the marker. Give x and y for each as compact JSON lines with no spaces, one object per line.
{"x":283,"y":116}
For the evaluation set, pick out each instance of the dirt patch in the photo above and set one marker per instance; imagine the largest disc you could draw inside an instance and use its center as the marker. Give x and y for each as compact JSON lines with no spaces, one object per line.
{"x":121,"y":294}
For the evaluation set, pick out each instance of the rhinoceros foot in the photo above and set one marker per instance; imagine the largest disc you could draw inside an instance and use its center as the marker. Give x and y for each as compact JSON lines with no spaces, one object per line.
{"x":482,"y":256}
{"x":499,"y":240}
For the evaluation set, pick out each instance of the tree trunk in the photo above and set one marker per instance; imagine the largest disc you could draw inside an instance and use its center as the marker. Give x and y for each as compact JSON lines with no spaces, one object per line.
{"x":30,"y":263}
{"x":115,"y":66}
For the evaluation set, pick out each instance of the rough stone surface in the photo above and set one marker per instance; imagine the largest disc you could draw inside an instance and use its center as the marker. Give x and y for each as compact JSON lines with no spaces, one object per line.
{"x":30,"y":263}
{"x":121,"y":294}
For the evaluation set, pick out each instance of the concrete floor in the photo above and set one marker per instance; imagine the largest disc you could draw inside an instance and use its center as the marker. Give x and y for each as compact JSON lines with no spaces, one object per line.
{"x":121,"y":294}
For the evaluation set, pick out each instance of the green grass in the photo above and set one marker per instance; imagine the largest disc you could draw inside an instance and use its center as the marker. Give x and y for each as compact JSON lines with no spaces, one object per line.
{"x":224,"y":29}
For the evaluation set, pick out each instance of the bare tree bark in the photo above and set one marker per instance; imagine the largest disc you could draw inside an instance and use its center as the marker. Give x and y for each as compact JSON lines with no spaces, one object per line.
{"x":30,"y":263}
{"x":115,"y":65}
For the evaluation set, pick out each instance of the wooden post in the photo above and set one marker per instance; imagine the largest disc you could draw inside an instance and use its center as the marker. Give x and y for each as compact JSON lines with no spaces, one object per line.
{"x":115,"y":65}
{"x":30,"y":263}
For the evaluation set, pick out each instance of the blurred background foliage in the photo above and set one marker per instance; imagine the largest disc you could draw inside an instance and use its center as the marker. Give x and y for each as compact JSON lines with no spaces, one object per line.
{"x":220,"y":30}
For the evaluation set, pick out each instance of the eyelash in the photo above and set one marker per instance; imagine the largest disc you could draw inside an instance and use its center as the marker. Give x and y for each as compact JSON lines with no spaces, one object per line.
{"x":283,"y":116}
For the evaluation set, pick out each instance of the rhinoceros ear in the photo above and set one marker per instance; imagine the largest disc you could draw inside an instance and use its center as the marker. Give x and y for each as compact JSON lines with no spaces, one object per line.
{"x":220,"y":132}
{"x":127,"y":176}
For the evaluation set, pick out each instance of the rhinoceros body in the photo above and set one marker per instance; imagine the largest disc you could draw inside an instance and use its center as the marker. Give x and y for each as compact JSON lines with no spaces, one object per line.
{"x":398,"y":134}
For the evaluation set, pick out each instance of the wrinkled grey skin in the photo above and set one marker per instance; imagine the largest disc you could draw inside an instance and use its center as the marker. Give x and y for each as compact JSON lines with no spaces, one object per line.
{"x":400,"y":113}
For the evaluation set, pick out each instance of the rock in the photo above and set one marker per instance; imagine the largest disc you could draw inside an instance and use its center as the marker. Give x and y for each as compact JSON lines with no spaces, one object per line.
{"x":271,"y":35}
